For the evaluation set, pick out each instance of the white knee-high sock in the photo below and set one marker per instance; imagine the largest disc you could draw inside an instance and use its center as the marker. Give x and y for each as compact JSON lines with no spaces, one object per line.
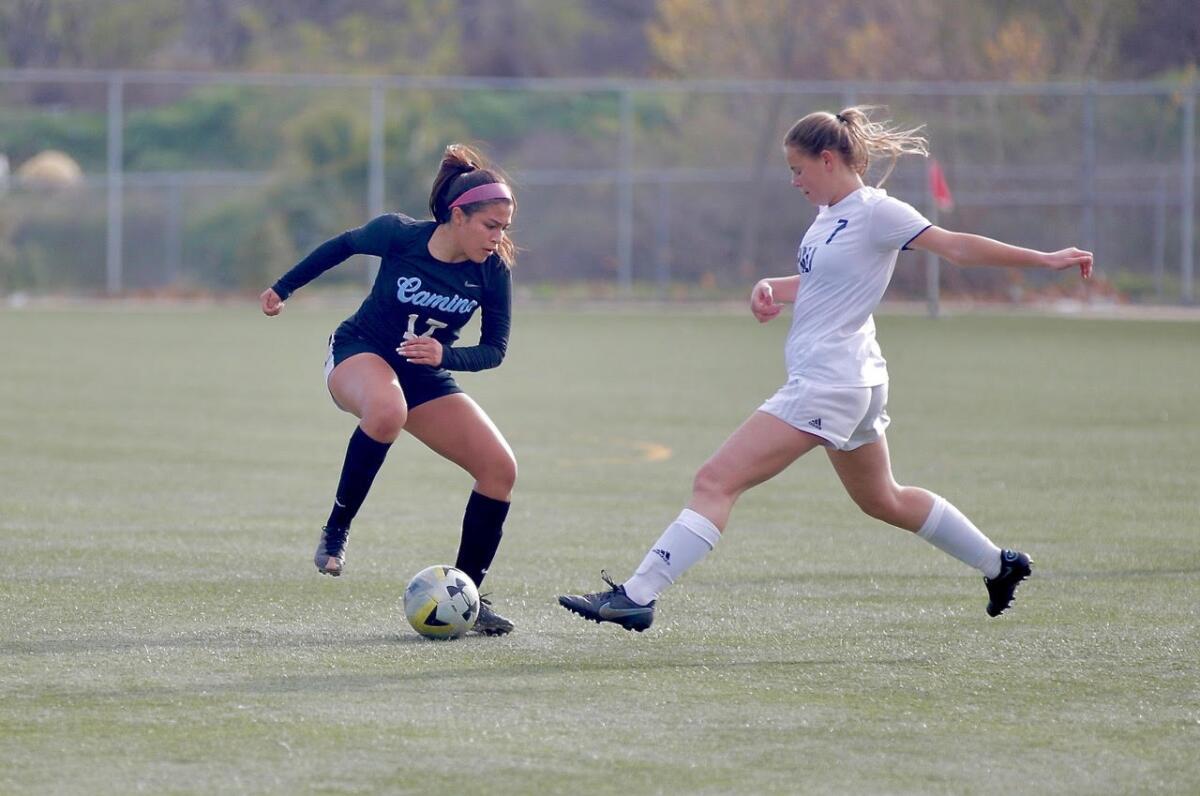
{"x":947,"y":529}
{"x":683,"y":544}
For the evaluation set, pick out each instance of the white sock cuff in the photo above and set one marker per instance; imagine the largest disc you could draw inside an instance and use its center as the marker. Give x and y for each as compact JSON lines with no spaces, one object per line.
{"x":935,"y":517}
{"x":701,"y":526}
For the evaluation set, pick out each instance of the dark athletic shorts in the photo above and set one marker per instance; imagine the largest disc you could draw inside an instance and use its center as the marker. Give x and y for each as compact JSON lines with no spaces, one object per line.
{"x":421,"y":383}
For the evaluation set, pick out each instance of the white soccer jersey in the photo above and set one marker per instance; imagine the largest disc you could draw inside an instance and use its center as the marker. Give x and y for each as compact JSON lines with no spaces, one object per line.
{"x":846,"y":261}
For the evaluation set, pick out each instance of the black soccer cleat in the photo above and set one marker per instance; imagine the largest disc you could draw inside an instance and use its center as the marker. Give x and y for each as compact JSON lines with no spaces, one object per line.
{"x":490,"y":623}
{"x":330,"y":557}
{"x":610,"y":606}
{"x":1014,"y":568}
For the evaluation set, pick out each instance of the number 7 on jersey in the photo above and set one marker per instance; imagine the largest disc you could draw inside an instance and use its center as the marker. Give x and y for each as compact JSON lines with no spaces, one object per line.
{"x":842,"y":224}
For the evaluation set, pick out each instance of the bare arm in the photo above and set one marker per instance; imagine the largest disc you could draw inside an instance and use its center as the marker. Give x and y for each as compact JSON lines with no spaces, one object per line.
{"x":769,"y":296}
{"x":962,"y":248}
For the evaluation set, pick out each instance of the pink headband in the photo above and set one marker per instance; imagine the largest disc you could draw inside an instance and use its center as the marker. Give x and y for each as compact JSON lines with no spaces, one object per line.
{"x":482,"y":193}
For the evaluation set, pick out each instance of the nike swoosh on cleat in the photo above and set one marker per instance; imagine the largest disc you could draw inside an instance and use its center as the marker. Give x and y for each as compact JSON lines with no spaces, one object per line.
{"x":609,"y":612}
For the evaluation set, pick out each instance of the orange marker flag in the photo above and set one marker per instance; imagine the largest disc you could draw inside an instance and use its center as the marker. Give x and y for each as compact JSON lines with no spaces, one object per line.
{"x":938,"y":187}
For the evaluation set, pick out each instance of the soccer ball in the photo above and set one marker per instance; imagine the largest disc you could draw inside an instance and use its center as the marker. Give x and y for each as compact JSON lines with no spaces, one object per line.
{"x":441,"y":602}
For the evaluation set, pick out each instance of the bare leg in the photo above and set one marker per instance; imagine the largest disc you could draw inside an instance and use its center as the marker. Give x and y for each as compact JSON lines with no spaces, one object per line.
{"x":455,"y":427}
{"x":366,"y":386}
{"x":866,"y":473}
{"x":761,"y":448}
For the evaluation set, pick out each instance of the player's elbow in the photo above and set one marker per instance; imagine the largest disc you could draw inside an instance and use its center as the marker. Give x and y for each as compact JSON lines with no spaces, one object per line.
{"x":488,"y":356}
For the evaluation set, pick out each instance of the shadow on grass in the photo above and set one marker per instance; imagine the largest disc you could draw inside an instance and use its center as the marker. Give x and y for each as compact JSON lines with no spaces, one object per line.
{"x":546,"y":676}
{"x":1115,"y":574}
{"x":244,"y":640}
{"x":411,"y":666}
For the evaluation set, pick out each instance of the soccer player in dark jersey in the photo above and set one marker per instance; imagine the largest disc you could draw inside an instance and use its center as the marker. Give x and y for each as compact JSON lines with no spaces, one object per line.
{"x":389,"y":364}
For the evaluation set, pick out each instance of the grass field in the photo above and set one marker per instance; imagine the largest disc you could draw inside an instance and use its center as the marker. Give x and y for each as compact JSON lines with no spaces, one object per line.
{"x":164,"y":473}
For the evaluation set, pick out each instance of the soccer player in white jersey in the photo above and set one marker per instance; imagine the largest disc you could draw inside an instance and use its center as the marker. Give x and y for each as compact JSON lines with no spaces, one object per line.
{"x":836,"y":392}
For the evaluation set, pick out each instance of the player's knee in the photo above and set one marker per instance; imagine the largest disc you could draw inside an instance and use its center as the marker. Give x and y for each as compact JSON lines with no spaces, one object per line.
{"x":385,"y":420}
{"x":881,"y":506}
{"x":711,"y":480}
{"x":497,"y":476}
{"x":504,"y":472}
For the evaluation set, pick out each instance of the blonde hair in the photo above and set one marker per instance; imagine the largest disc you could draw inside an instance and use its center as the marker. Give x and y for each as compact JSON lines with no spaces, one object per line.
{"x":852,"y":134}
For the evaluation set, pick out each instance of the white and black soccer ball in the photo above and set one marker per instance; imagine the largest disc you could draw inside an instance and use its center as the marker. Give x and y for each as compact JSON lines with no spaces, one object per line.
{"x":441,"y":602}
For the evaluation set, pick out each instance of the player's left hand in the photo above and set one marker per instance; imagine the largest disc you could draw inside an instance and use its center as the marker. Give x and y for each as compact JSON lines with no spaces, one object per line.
{"x":421,"y":351}
{"x":1067,"y":258}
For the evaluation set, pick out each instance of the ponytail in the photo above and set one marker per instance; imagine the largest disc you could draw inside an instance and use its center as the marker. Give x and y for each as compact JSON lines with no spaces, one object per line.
{"x":462,"y":169}
{"x":852,"y":134}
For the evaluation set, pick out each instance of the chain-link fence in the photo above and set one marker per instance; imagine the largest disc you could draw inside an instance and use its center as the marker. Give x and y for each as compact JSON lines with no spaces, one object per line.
{"x":214,"y":182}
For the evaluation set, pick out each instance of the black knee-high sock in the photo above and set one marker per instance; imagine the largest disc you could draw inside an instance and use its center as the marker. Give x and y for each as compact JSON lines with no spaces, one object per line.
{"x":364,"y":457}
{"x":483,"y":525}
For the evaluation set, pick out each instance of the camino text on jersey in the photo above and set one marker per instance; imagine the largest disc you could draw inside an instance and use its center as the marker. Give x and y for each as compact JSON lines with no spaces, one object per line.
{"x":409,"y":291}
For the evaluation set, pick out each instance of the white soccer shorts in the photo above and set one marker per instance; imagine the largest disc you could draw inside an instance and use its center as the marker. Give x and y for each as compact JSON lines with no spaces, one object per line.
{"x":845,"y":417}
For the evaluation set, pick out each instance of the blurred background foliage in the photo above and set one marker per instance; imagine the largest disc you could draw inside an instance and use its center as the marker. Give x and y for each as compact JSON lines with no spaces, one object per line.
{"x":780,"y":39}
{"x":308,"y":148}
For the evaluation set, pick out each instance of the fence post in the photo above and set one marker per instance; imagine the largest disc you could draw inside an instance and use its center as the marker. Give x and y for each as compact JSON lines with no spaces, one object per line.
{"x":1188,"y":198}
{"x":662,"y":251}
{"x":1159,"y":247}
{"x":625,"y":197}
{"x":933,"y":276}
{"x":115,"y":207}
{"x":1087,"y":232}
{"x":173,"y":235}
{"x":375,"y":167}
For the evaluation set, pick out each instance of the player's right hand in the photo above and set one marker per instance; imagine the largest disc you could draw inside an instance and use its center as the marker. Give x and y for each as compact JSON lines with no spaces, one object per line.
{"x":762,"y":302}
{"x":272,"y":305}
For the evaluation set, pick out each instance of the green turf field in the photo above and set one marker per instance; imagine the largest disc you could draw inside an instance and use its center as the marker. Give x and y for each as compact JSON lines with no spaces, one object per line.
{"x":164,"y":474}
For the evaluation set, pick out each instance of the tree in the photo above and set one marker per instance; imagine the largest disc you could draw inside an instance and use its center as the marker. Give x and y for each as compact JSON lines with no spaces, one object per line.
{"x":1162,"y":37}
{"x":762,"y":39}
{"x":64,"y":33}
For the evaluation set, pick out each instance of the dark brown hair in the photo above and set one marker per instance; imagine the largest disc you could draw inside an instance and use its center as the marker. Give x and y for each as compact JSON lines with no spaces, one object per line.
{"x":853,"y":135}
{"x":462,"y":169}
